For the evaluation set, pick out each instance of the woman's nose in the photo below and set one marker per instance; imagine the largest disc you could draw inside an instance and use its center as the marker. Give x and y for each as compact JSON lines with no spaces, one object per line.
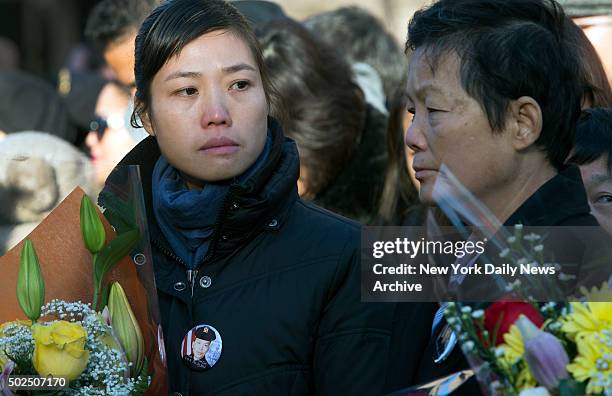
{"x":215,"y":110}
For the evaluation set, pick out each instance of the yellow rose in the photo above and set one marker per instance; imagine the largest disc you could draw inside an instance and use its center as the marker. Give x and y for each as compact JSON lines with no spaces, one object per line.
{"x":59,"y":349}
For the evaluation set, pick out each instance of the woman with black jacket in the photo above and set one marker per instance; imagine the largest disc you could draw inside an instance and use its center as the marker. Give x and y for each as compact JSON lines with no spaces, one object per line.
{"x":273,"y":281}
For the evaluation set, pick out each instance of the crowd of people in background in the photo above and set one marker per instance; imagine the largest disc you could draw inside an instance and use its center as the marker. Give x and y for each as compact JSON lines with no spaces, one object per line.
{"x":344,"y":105}
{"x":340,"y":88}
{"x":342,"y":100}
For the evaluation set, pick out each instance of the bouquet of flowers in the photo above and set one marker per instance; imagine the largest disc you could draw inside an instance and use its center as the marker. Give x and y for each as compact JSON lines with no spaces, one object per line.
{"x":517,"y":346}
{"x":96,"y":351}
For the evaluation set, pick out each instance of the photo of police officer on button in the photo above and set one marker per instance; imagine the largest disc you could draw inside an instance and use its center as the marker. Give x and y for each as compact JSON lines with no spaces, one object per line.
{"x":201,"y":339}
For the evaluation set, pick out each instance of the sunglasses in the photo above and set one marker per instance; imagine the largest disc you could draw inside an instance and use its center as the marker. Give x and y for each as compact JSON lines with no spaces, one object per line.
{"x":99,"y":124}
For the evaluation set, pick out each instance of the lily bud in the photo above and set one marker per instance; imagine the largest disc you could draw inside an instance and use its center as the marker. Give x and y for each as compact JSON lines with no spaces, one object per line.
{"x":544,"y":354}
{"x":125,"y":327}
{"x":30,"y":282}
{"x":106,"y":316}
{"x":92,"y":229}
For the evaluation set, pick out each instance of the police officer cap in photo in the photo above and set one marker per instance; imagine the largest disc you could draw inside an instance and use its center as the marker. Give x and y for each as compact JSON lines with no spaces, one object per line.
{"x":205,"y":333}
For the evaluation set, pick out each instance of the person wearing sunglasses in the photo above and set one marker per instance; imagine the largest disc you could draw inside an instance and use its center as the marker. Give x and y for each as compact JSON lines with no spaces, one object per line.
{"x":108,"y":139}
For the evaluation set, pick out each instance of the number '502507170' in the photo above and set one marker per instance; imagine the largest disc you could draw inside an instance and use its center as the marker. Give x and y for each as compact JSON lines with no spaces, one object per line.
{"x":32,"y":382}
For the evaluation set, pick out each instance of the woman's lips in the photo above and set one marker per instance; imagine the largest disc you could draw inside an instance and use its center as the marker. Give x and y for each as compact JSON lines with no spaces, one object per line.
{"x":221,"y":150}
{"x":421,"y":173}
{"x":220,"y":146}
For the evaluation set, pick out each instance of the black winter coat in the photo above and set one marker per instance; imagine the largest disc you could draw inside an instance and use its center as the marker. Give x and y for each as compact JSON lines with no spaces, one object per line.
{"x":281,"y":284}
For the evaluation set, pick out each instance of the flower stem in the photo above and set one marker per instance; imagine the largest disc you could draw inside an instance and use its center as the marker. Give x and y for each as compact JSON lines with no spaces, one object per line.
{"x":96,"y":287}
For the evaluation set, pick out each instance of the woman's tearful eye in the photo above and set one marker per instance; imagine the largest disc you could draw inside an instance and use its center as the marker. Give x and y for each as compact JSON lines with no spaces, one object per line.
{"x":240,"y":85}
{"x":187,"y":91}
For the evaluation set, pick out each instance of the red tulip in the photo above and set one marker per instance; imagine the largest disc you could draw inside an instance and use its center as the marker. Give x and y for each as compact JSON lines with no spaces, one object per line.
{"x":508,"y":311}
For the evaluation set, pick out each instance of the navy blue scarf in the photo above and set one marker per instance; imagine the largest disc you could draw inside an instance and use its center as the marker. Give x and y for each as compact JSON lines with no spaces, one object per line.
{"x":187,"y":217}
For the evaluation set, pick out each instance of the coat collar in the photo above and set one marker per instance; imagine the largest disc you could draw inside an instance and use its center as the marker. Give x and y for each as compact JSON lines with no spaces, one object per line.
{"x":557,"y":200}
{"x":260,"y":202}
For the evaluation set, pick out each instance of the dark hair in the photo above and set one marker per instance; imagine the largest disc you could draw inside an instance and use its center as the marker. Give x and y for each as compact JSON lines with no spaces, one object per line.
{"x":112,"y":20}
{"x":361,"y":37}
{"x":320,"y":106}
{"x":593,"y":137}
{"x":508,"y":49}
{"x":596,"y":89}
{"x":172,"y":26}
{"x":399,"y":194}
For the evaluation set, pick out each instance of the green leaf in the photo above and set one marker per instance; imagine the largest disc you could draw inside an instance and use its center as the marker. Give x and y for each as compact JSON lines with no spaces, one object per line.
{"x":104,"y":296}
{"x":110,"y":256}
{"x":119,"y":213}
{"x":571,"y":387}
{"x":115,"y":251}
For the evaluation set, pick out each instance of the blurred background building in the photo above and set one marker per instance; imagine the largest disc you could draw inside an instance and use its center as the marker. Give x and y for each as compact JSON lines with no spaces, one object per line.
{"x":595,"y":19}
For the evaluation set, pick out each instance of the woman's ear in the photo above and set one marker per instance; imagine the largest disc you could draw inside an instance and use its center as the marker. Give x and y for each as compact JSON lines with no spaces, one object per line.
{"x":147,"y":124}
{"x":143,"y":113}
{"x":527,"y":118}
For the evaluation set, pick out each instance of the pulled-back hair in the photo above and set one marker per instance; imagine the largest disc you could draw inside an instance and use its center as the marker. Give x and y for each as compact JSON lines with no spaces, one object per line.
{"x":172,"y":26}
{"x":320,"y":106}
{"x":508,"y":49}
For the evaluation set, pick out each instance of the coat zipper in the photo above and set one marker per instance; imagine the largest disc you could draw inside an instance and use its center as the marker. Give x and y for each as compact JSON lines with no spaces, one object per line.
{"x":191,"y":274}
{"x":191,"y":277}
